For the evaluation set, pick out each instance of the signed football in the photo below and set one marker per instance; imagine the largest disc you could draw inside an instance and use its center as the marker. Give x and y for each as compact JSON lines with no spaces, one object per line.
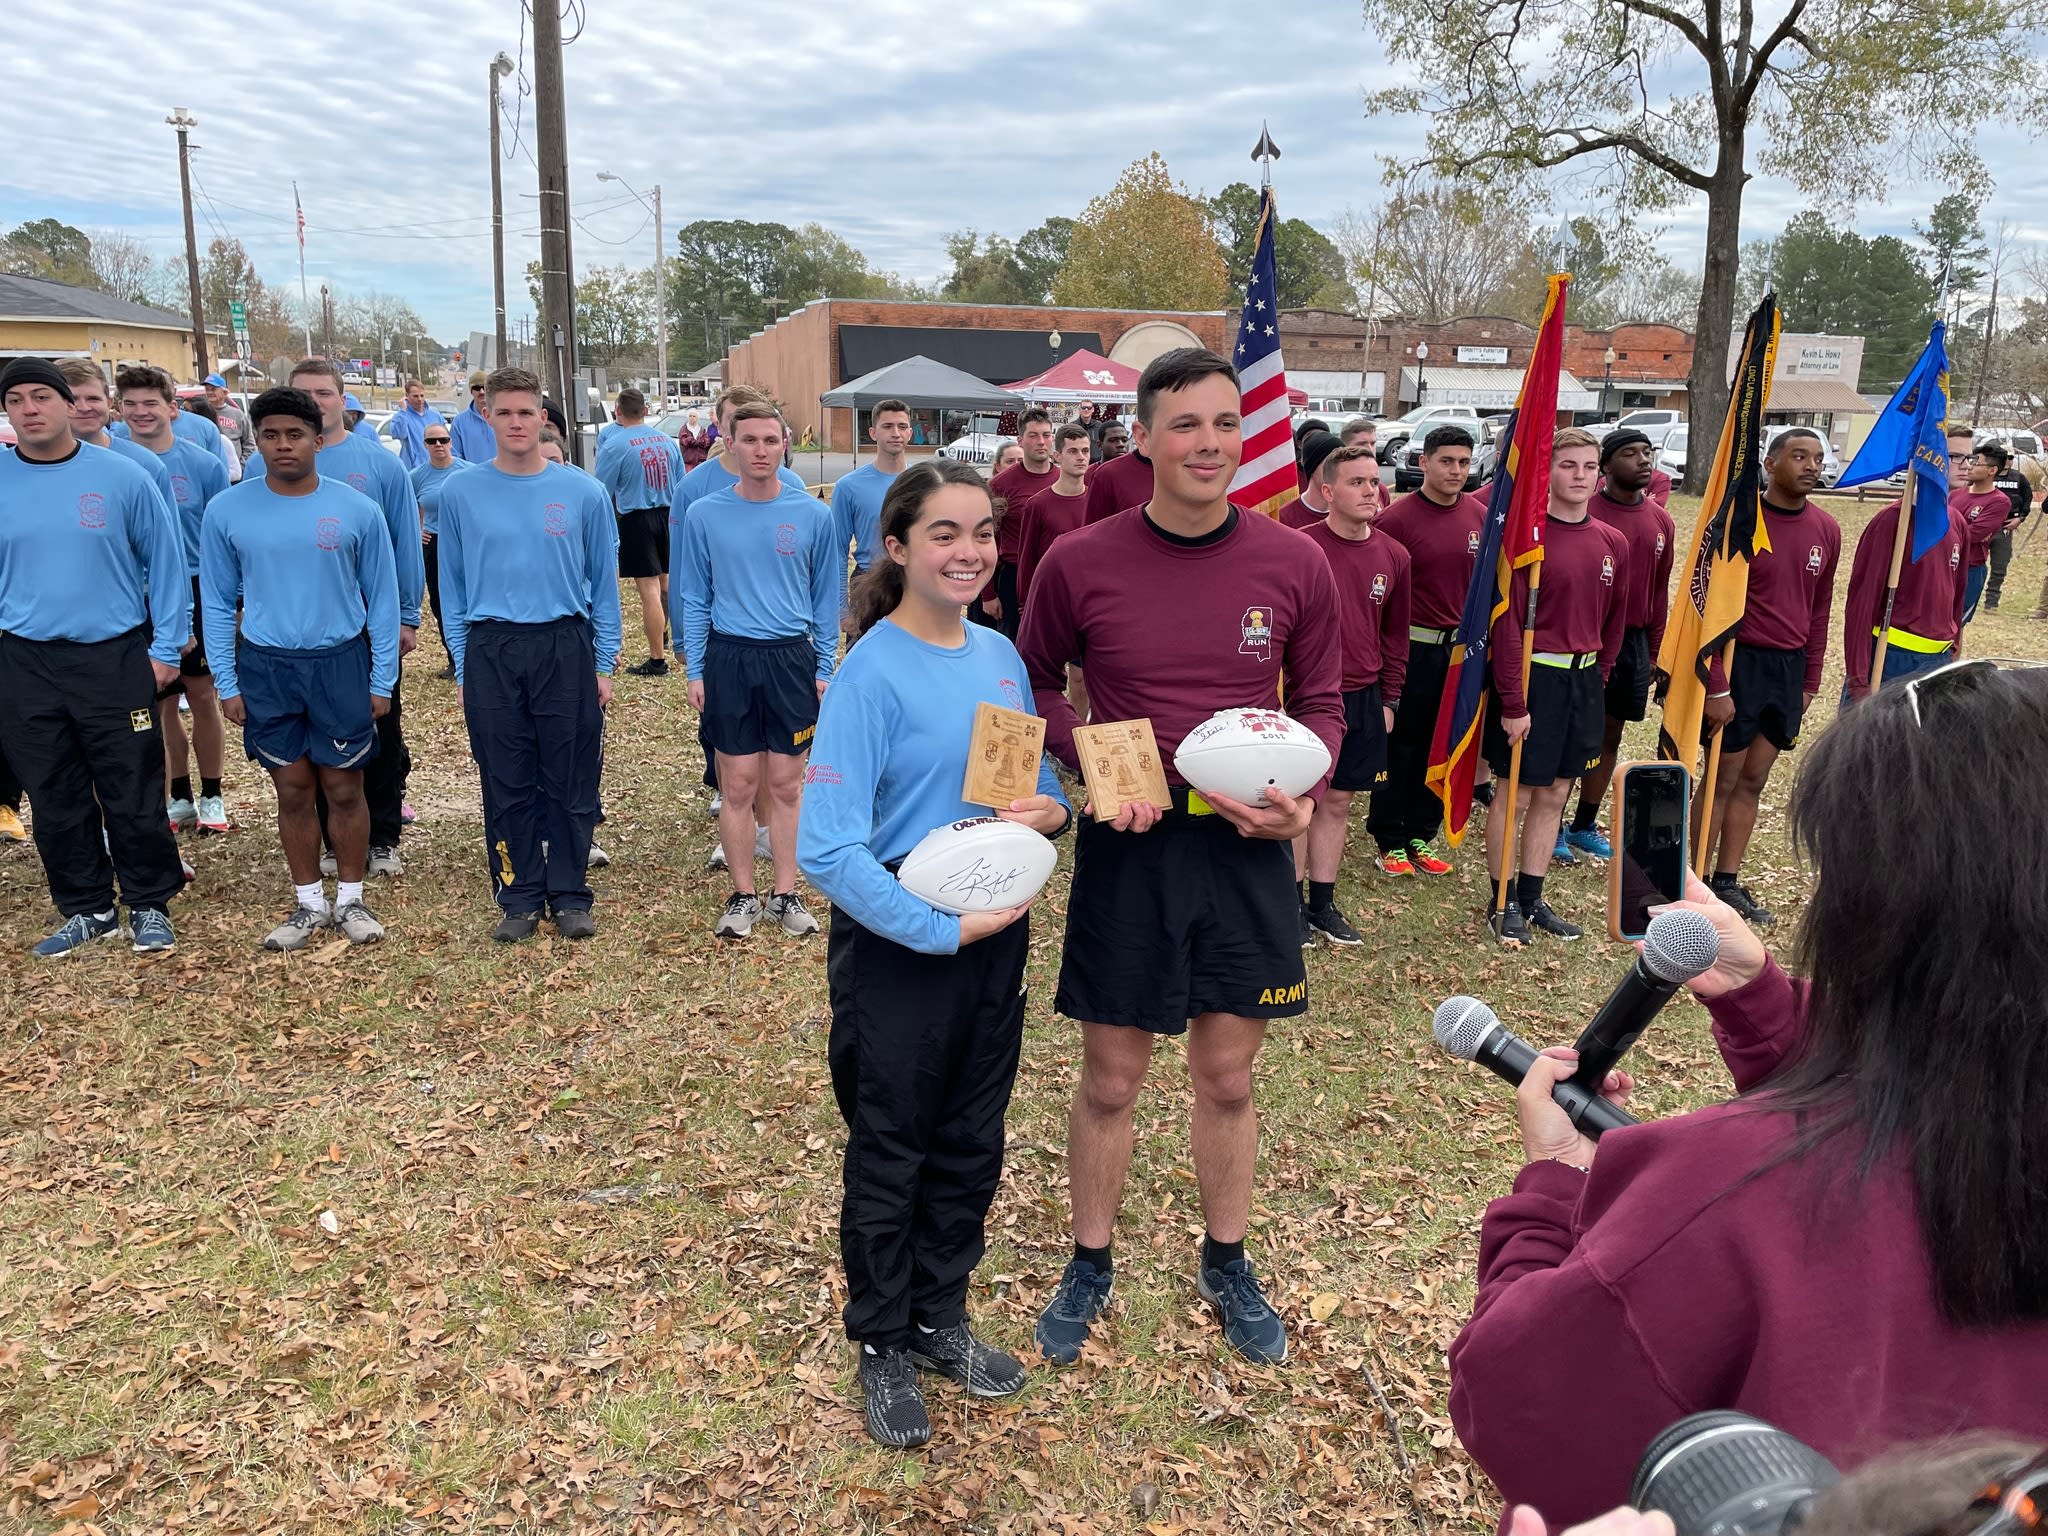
{"x":1243,"y":752}
{"x":982,"y":864}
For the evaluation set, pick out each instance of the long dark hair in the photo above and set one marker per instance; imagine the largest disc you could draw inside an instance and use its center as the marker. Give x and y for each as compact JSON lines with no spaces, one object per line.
{"x":875,"y":594}
{"x":1927,"y":940}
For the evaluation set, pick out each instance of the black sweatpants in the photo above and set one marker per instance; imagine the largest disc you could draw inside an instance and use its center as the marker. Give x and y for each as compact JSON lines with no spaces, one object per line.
{"x":923,"y":1053}
{"x":529,"y":693}
{"x":10,"y":786}
{"x":1404,"y":810}
{"x":430,"y":551}
{"x":81,"y":728}
{"x":384,"y":776}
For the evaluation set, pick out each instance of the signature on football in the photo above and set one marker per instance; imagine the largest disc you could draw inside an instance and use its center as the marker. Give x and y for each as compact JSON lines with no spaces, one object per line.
{"x":982,"y":883}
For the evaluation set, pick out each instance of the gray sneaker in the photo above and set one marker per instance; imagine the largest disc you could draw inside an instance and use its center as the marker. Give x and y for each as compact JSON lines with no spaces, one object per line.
{"x":761,"y":848}
{"x":739,"y":917}
{"x":599,"y":859}
{"x":359,"y":923}
{"x":328,"y":867}
{"x":383,"y":861}
{"x":717,"y":859}
{"x":297,"y":931}
{"x":790,"y":911}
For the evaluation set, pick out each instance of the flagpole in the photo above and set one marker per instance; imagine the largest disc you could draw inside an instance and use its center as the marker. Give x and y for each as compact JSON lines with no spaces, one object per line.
{"x":1713,"y":769}
{"x":305,"y":303}
{"x":1510,"y":851}
{"x":1891,"y":582}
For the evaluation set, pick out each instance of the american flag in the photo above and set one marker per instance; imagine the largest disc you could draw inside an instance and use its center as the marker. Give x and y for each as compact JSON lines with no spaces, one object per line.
{"x":302,"y":218}
{"x":1265,"y":479}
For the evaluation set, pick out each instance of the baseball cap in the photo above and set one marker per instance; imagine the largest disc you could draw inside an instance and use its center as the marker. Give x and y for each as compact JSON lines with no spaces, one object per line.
{"x":216,"y":381}
{"x":478,"y":378}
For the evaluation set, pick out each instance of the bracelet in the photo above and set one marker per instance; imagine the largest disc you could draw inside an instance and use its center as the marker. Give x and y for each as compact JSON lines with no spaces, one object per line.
{"x":1581,"y":1167}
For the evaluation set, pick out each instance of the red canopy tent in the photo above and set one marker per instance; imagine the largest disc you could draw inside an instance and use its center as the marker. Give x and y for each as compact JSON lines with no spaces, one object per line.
{"x":1091,"y":376}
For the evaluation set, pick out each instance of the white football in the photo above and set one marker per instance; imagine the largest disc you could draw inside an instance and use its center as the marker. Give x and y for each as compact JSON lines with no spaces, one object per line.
{"x":1242,"y":753}
{"x":982,"y":864}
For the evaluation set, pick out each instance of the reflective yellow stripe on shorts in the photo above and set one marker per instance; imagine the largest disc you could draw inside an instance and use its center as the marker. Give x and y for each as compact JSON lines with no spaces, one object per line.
{"x":1906,"y":640}
{"x":1565,"y":660}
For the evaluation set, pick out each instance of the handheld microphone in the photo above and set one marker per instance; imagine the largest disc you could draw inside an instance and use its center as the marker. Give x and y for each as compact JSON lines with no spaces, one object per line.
{"x":1677,"y":946}
{"x":1471,"y":1031}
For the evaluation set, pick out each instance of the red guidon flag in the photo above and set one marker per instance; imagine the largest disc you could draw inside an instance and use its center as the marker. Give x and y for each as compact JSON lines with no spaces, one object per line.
{"x":1265,"y":478}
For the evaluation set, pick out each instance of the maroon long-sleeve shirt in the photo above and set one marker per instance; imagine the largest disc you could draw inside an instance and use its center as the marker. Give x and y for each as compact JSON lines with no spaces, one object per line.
{"x":1580,"y":604}
{"x":1173,"y":632}
{"x":1791,"y":590}
{"x":1676,"y":1277}
{"x":1124,"y":481}
{"x":1983,"y":514}
{"x":1442,"y":544}
{"x":1372,"y":605}
{"x":1651,"y":539}
{"x":1045,"y":517}
{"x":1017,"y":485}
{"x":1930,"y":598}
{"x":1299,"y":514}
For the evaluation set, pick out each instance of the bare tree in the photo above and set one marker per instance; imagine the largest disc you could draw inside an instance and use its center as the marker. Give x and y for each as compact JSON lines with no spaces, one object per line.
{"x":123,"y":266}
{"x":1433,"y":252}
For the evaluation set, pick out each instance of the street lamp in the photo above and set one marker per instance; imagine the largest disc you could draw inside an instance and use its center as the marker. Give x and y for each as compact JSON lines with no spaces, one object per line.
{"x":1421,"y":357}
{"x":501,"y":66}
{"x":660,"y":293}
{"x":1605,"y":380}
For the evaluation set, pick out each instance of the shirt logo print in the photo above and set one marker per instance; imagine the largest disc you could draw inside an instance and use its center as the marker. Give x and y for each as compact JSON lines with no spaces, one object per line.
{"x":359,"y":480}
{"x":822,"y":773}
{"x":181,"y":489}
{"x":1255,"y":634}
{"x":92,"y":510}
{"x":1472,"y":542}
{"x":1955,"y":557}
{"x":1012,"y":694}
{"x":327,"y":533}
{"x":654,"y":466}
{"x":1813,"y":560}
{"x":554,"y":519}
{"x":1660,"y":541}
{"x":1378,"y":593}
{"x":785,"y":538}
{"x":1607,"y":570}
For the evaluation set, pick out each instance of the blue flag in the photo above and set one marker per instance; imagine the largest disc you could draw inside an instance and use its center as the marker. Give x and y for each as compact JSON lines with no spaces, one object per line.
{"x":1912,"y":433}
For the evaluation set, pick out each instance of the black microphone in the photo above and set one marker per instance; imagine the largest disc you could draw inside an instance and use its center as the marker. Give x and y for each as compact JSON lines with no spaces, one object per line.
{"x":1677,"y":946}
{"x":1471,"y":1031}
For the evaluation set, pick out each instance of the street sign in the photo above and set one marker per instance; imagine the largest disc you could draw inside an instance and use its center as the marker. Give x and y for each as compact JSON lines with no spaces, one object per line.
{"x":239,"y":313}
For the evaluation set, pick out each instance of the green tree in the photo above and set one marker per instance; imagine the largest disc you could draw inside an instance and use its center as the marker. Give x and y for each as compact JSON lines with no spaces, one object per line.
{"x":1845,"y":90}
{"x":1041,"y":252}
{"x":985,"y":271}
{"x":1836,"y":281}
{"x":226,"y":274}
{"x":1307,"y":263}
{"x":48,"y":248}
{"x":1146,"y":243}
{"x":1955,"y":239}
{"x":614,"y":315}
{"x":723,"y":285}
{"x":820,"y":264}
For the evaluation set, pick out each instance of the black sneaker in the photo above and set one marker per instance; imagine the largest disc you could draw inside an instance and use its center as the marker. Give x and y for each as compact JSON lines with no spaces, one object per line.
{"x":1736,"y":895}
{"x":958,"y":1355}
{"x":1308,"y":930}
{"x":1329,"y":922}
{"x":895,"y":1402}
{"x":1544,"y":920}
{"x":1510,"y":927}
{"x":514,"y":927}
{"x":1076,"y":1302}
{"x":653,"y":666}
{"x":447,"y":673}
{"x":1482,"y":794}
{"x":575,"y":923}
{"x":1250,"y":1324}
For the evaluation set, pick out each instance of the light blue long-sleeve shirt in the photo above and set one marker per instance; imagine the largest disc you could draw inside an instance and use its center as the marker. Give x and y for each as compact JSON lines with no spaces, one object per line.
{"x":528,"y":549}
{"x":707,"y":479}
{"x":196,"y":477}
{"x":408,"y":429}
{"x":887,"y":766}
{"x":88,"y":550}
{"x":426,"y":487}
{"x":641,"y":466}
{"x":857,"y":512}
{"x":365,"y":464}
{"x":761,"y":570}
{"x":310,"y":571}
{"x":471,"y":436}
{"x":189,"y":427}
{"x":149,"y":463}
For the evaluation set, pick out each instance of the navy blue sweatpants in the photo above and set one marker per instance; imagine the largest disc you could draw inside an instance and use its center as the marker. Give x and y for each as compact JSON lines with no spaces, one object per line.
{"x":529,"y":693}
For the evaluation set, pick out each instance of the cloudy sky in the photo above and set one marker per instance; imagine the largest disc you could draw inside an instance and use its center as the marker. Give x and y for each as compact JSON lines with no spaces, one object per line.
{"x":891,"y":121}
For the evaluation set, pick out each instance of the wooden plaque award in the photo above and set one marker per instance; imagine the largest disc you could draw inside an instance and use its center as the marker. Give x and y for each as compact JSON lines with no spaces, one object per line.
{"x":1120,"y":762}
{"x":1003,"y":756}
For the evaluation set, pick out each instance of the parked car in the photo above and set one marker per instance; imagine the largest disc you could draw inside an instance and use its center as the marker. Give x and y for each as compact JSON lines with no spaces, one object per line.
{"x":1671,"y":453}
{"x":1394,"y":435}
{"x":977,"y":445}
{"x":1485,"y":448}
{"x":1653,"y":424}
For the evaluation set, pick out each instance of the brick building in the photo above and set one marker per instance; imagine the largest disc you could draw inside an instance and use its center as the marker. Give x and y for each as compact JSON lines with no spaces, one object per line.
{"x":829,"y":341}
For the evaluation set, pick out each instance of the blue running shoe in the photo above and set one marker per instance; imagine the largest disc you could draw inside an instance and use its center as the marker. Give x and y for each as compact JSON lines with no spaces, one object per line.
{"x":78,"y":932}
{"x":1562,"y":854}
{"x":1590,"y":841}
{"x":150,"y":928}
{"x":1076,"y":1302}
{"x":1253,"y":1328}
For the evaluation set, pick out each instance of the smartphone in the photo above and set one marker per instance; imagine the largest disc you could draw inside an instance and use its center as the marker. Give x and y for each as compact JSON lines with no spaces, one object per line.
{"x":1649,"y":863}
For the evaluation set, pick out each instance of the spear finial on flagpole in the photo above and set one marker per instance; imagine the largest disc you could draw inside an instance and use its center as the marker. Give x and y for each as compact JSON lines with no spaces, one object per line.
{"x":1265,"y":152}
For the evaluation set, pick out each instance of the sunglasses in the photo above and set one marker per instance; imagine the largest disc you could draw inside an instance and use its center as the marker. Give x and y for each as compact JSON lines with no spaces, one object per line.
{"x":476,"y":389}
{"x":432,"y":440}
{"x":1926,"y":680}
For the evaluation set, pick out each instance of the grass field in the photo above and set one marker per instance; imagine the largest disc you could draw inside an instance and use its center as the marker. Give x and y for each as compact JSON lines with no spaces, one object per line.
{"x":440,"y":1236}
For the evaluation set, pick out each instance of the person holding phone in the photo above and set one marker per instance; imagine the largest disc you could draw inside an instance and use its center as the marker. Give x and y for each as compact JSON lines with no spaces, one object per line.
{"x":910,"y":984}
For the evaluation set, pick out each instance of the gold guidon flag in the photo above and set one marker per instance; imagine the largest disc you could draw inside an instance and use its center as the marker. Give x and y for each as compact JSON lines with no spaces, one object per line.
{"x":1707,"y":610}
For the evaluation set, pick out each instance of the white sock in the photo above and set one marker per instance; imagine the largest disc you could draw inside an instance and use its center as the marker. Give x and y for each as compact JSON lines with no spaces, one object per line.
{"x":922,"y":1329}
{"x":346,"y":891}
{"x":104,"y":917}
{"x":312,"y":897}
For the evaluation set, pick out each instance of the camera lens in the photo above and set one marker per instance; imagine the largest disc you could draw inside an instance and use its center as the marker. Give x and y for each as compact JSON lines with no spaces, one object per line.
{"x":1727,"y":1474}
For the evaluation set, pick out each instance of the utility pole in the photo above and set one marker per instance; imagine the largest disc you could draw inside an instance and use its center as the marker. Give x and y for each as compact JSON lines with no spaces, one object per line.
{"x":326,"y":322}
{"x":660,"y":291}
{"x":557,"y":281}
{"x":501,"y":66}
{"x":185,"y":122}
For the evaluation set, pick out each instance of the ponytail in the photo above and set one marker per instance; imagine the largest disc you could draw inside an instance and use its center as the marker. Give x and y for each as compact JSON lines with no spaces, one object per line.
{"x":876,"y":591}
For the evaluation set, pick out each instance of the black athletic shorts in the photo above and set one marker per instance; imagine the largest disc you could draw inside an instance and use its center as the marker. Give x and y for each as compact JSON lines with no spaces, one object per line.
{"x":760,"y":695}
{"x":1769,"y":691}
{"x":643,"y":542}
{"x":191,"y":663}
{"x":1186,"y":919}
{"x":1628,"y":685}
{"x":1362,"y":761}
{"x":1567,"y":718}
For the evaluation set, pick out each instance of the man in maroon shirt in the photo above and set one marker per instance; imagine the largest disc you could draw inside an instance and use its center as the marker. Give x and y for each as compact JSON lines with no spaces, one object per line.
{"x":1183,"y":917}
{"x":1624,"y":504}
{"x":1363,"y":432}
{"x":1581,"y":603}
{"x":1113,"y":442}
{"x":1118,"y":483}
{"x":1312,"y":505}
{"x":1759,"y":703}
{"x":1015,"y":486}
{"x":1371,"y":573}
{"x":1439,"y":527}
{"x":1927,"y":614}
{"x":1981,"y":505}
{"x":1055,"y":510}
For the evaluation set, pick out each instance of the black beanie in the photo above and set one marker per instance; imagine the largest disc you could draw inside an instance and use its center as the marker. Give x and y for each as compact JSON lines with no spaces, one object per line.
{"x":1618,"y":439}
{"x":1315,"y":448}
{"x":34,"y":370}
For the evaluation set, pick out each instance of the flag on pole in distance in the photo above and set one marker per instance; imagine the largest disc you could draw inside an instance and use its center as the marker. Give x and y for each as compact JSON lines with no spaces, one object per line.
{"x":1708,"y":606}
{"x":1912,"y":433}
{"x":1511,"y":537}
{"x":1265,"y":479}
